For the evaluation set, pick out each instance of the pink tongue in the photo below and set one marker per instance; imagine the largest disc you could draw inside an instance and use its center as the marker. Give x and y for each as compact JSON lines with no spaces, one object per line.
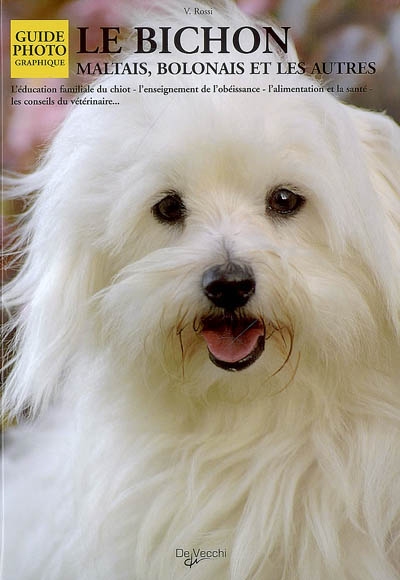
{"x":230,"y":345}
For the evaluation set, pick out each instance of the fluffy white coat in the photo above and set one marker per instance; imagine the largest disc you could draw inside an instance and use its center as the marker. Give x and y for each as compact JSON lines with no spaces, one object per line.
{"x":142,"y":446}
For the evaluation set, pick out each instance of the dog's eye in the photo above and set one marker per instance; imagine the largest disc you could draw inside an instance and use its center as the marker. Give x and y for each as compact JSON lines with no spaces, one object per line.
{"x":284,"y":202}
{"x":170,"y":210}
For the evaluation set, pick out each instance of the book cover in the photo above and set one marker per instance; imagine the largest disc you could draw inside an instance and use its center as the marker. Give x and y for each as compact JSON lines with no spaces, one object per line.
{"x":201,"y":232}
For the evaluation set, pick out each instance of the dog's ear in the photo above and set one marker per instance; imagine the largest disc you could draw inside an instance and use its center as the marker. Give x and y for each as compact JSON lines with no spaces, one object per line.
{"x":380,"y":143}
{"x":47,"y":301}
{"x":380,"y":138}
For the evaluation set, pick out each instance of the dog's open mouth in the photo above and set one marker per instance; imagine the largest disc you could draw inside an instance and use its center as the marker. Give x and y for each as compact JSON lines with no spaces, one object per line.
{"x":233,"y":343}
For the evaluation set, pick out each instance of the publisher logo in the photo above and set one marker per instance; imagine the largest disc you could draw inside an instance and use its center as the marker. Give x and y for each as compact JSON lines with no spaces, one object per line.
{"x":39,"y":49}
{"x":196,"y":555}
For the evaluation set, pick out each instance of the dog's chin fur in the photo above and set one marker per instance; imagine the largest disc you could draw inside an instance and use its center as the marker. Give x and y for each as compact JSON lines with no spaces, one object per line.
{"x":142,"y":445}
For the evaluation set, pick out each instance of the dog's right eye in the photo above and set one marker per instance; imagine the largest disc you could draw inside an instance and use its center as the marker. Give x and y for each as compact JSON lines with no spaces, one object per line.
{"x":170,"y":210}
{"x":284,"y":202}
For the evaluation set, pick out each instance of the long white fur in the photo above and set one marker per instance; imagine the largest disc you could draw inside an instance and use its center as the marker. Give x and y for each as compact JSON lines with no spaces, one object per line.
{"x":141,"y":446}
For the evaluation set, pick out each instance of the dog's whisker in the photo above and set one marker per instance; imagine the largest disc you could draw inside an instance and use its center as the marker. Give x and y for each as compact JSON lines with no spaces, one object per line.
{"x":179,"y":333}
{"x":245,"y":330}
{"x":288,"y":355}
{"x":296,"y":366}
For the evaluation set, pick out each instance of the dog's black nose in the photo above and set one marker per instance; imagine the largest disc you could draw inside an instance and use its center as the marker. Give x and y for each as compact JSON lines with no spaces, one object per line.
{"x":229,"y":285}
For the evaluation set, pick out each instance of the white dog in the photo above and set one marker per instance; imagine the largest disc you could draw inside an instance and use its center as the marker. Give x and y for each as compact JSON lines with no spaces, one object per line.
{"x":176,"y":239}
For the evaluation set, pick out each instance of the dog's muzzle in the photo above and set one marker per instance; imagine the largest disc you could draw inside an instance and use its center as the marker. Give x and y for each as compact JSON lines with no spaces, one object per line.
{"x":235,"y":341}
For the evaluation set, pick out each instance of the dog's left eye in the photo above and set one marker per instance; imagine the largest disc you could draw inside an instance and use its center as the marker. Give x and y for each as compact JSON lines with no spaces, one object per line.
{"x":170,"y":210}
{"x":284,"y":202}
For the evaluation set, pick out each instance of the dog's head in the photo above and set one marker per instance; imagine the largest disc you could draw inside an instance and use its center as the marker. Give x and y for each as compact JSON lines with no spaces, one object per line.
{"x":190,"y":236}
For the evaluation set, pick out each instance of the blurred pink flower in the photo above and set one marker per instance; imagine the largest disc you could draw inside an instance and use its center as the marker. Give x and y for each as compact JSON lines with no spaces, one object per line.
{"x":31,"y":125}
{"x":257,"y":7}
{"x":95,"y":12}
